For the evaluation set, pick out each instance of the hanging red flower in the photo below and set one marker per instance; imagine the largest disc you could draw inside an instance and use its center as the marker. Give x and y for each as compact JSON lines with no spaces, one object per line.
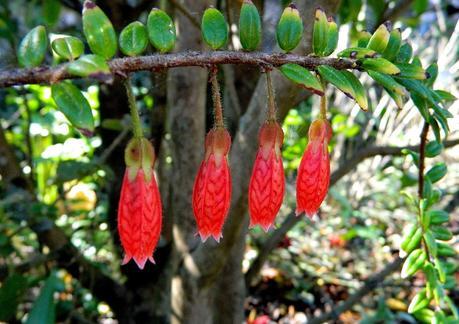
{"x":267,"y":184}
{"x":314,"y":171}
{"x":139,"y":211}
{"x":212,"y":187}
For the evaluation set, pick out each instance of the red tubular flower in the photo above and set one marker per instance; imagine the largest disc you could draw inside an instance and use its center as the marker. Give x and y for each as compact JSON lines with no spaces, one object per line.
{"x":267,"y":184}
{"x":314,"y":171}
{"x":139,"y":210}
{"x":212,"y":187}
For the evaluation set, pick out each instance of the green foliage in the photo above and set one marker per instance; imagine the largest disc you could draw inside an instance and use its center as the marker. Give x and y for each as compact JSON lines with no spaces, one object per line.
{"x":11,"y":293}
{"x":32,"y":50}
{"x":303,"y":77}
{"x":289,"y":29}
{"x":161,"y":30}
{"x":99,"y":31}
{"x":214,"y":28}
{"x":89,"y":65}
{"x":68,"y":47}
{"x":44,"y":308}
{"x":133,"y":39}
{"x":249,"y":26}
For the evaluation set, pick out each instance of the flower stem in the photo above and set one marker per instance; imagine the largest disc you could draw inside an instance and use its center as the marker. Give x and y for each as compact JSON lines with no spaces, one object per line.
{"x":135,"y":118}
{"x":216,"y":98}
{"x":323,"y":100}
{"x":271,"y":98}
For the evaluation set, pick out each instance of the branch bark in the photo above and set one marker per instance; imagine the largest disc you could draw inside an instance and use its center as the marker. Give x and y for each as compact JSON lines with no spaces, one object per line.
{"x":123,"y":66}
{"x":291,"y":220}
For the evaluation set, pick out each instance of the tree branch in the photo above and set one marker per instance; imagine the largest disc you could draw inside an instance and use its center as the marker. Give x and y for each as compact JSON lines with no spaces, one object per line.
{"x":369,"y":285}
{"x":291,"y":220}
{"x":123,"y":66}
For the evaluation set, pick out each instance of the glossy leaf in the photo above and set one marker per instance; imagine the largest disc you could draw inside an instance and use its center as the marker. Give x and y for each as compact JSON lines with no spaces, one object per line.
{"x":89,"y":65}
{"x":393,"y":46}
{"x":411,"y":71}
{"x":387,"y":82}
{"x":73,"y":105}
{"x":445,"y":250}
{"x":214,"y":28}
{"x":363,"y":39}
{"x":412,"y":238}
{"x":68,"y":47}
{"x":441,"y":233}
{"x":289,"y":29}
{"x":332,"y":37}
{"x":432,"y":73}
{"x":320,"y":33}
{"x":358,"y":53}
{"x":433,"y":148}
{"x":405,"y":53}
{"x":133,"y":39}
{"x":437,"y":172}
{"x":303,"y":77}
{"x":249,"y":26}
{"x":431,"y":244}
{"x":380,"y":64}
{"x":161,"y":30}
{"x":98,"y":31}
{"x":419,"y":302}
{"x":44,"y":309}
{"x":438,"y":216}
{"x":379,"y":39}
{"x":413,"y":263}
{"x":32,"y":49}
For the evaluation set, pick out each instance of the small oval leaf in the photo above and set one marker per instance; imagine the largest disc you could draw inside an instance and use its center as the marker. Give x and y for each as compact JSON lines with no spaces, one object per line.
{"x":98,"y":31}
{"x":358,"y":53}
{"x":90,"y":65}
{"x":379,"y":39}
{"x":214,"y":28}
{"x":413,"y":263}
{"x":320,"y":32}
{"x":68,"y":47}
{"x":437,"y":172}
{"x":133,"y":39}
{"x":393,"y":46}
{"x":411,"y":71}
{"x":303,"y":77}
{"x":381,"y":65}
{"x":161,"y":30}
{"x":249,"y":26}
{"x":289,"y":29}
{"x":32,"y":49}
{"x":73,"y":105}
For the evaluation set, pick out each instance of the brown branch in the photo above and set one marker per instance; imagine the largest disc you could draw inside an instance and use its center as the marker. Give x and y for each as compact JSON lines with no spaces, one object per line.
{"x":369,"y":285}
{"x":123,"y":66}
{"x":277,"y":235}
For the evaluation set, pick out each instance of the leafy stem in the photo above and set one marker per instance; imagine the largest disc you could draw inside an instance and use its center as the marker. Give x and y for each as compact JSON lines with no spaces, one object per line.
{"x":135,"y":118}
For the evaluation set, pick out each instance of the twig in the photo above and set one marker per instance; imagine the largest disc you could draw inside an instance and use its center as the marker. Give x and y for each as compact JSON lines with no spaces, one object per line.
{"x":369,"y":285}
{"x":216,"y":98}
{"x":422,"y":157}
{"x":123,"y":66}
{"x":277,"y":235}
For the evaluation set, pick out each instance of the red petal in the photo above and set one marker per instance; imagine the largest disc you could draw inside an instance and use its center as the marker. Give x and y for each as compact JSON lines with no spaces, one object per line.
{"x":139,"y":218}
{"x":211,"y":197}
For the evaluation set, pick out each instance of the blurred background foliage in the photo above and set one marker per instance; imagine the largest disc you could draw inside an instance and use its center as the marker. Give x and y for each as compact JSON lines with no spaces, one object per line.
{"x":318,"y":263}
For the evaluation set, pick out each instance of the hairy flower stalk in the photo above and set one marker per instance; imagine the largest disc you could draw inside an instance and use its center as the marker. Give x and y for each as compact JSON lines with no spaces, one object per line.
{"x":212,"y":187}
{"x":139,"y":211}
{"x":267,"y":183}
{"x":314,"y":171}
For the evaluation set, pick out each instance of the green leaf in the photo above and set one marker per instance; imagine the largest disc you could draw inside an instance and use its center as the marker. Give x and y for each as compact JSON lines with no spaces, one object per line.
{"x":214,"y":28}
{"x":411,"y":71}
{"x":387,"y":82}
{"x":393,"y":46}
{"x":420,"y":6}
{"x":441,"y":233}
{"x":412,"y":238}
{"x":424,"y":315}
{"x":405,"y":53}
{"x":413,"y":263}
{"x":44,"y":309}
{"x":445,"y":95}
{"x":430,"y":242}
{"x":379,"y":39}
{"x":11,"y":292}
{"x":32,"y":49}
{"x":433,"y":148}
{"x":303,"y":77}
{"x":419,"y":302}
{"x":133,"y":39}
{"x":438,"y":216}
{"x":358,"y":53}
{"x":363,"y":39}
{"x":440,"y":269}
{"x":289,"y":29}
{"x":332,"y":37}
{"x":249,"y":26}
{"x":73,"y":105}
{"x":380,"y":64}
{"x":90,"y":65}
{"x":161,"y":30}
{"x":74,"y":170}
{"x":432,"y":72}
{"x":68,"y":47}
{"x":445,"y":250}
{"x":98,"y":31}
{"x":437,"y":172}
{"x":320,"y":33}
{"x":431,"y":279}
{"x":346,"y":82}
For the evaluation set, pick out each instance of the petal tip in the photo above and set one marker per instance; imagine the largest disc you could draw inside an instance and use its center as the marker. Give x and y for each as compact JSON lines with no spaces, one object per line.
{"x":140,"y":262}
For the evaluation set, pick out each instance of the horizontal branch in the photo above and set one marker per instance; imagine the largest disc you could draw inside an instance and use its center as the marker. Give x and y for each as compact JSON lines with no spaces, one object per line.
{"x":291,"y":220}
{"x":123,"y":66}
